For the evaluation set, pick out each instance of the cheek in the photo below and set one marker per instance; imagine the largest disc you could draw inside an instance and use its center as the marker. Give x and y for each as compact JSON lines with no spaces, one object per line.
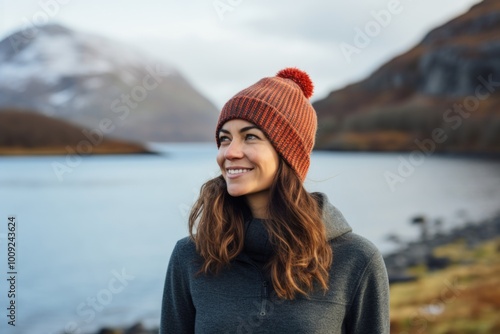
{"x":273,"y":162}
{"x":220,"y":158}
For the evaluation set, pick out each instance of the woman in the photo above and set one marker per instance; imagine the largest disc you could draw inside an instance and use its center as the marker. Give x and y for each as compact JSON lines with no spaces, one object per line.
{"x":264,"y":255}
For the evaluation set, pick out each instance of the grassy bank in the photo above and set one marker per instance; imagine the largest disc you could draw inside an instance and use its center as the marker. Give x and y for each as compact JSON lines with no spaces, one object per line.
{"x":463,"y":298}
{"x":62,"y":150}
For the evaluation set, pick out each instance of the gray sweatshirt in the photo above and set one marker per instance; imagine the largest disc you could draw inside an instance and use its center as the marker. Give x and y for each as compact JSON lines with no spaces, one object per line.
{"x":241,"y":299}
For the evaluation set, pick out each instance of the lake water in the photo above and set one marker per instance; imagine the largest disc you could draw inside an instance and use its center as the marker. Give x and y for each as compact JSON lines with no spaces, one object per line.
{"x":93,"y":245}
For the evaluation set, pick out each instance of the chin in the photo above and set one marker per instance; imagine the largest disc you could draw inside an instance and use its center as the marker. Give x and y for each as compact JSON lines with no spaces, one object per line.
{"x":236,"y":192}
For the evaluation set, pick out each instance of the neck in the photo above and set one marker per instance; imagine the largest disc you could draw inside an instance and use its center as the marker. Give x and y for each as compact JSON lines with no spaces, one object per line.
{"x":258,"y":204}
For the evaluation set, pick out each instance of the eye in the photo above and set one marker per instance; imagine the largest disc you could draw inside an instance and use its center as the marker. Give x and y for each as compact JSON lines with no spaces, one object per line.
{"x":224,"y":139}
{"x":251,"y":136}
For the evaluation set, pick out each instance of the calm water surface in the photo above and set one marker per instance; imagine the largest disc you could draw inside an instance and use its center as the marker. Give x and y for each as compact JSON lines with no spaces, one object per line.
{"x":93,"y":247}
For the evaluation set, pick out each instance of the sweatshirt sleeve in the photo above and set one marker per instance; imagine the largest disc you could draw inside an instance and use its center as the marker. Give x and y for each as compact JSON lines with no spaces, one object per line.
{"x":177,"y":312}
{"x":369,"y":311}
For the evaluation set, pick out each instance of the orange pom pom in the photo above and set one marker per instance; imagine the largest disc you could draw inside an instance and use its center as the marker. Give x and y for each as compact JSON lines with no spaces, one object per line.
{"x":300,"y":77}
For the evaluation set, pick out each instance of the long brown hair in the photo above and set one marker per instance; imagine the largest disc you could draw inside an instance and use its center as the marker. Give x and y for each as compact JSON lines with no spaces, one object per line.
{"x":302,"y":255}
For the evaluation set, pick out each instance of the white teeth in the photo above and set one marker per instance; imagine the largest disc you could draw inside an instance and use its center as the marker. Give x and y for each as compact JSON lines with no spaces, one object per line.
{"x":237,"y":171}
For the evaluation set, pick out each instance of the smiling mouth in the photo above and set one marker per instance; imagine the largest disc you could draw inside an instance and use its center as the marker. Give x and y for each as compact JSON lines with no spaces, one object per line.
{"x":238,"y":171}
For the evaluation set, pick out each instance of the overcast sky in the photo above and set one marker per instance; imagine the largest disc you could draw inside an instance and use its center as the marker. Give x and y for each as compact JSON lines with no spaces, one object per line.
{"x":223,"y":46}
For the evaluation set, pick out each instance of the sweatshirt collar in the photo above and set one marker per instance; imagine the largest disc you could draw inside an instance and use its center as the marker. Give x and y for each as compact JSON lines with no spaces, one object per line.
{"x":335,"y":223}
{"x":258,"y":248}
{"x":257,"y":245}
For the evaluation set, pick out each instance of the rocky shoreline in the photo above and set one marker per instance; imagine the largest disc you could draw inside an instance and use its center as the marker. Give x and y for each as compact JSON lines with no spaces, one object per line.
{"x":422,"y":251}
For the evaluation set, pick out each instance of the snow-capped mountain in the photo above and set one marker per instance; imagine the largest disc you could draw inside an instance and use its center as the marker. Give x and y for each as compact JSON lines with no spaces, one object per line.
{"x":101,"y":84}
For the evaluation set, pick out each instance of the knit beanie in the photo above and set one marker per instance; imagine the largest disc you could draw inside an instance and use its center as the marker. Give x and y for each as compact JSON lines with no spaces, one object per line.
{"x":280,"y":107}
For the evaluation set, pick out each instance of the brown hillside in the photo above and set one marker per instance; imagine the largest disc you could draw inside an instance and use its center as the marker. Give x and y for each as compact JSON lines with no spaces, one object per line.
{"x":23,"y":132}
{"x":432,"y":87}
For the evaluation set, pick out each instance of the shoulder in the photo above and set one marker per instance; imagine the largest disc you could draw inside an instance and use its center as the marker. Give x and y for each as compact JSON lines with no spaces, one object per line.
{"x":352,"y":242}
{"x":356,"y":253}
{"x":356,"y":261}
{"x":184,"y":247}
{"x":184,"y":252}
{"x":184,"y":257}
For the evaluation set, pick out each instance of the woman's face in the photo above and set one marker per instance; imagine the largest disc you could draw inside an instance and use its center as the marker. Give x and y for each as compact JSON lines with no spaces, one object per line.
{"x":247,"y":159}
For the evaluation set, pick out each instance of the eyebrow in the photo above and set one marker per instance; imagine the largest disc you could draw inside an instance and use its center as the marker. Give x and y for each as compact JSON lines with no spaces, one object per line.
{"x":245,"y":129}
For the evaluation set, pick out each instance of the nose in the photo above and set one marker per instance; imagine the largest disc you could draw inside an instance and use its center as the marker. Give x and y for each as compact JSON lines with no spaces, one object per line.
{"x":233,"y":150}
